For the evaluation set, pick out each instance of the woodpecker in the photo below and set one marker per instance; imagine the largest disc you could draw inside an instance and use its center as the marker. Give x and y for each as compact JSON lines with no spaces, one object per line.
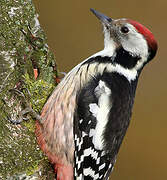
{"x":85,"y":119}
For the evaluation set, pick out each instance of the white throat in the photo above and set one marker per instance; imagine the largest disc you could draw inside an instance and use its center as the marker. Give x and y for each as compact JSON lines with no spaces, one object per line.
{"x":109,"y":45}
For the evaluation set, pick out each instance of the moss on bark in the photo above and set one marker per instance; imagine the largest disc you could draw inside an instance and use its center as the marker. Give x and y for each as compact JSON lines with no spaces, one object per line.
{"x":23,"y":47}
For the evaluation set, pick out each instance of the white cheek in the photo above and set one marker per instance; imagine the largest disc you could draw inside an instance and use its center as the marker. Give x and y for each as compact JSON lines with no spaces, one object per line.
{"x":136,"y":44}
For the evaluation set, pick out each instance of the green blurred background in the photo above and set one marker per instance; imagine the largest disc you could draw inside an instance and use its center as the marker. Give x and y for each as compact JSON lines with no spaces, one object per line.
{"x":74,"y":33}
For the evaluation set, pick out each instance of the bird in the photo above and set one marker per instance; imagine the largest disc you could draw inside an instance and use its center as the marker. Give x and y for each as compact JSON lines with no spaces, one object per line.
{"x":86,"y":117}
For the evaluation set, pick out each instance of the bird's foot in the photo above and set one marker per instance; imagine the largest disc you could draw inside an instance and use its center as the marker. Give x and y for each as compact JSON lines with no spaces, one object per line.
{"x":21,"y":117}
{"x":28,"y":109}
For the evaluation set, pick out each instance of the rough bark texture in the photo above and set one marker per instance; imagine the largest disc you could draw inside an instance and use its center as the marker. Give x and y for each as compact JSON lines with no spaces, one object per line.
{"x":22,"y":48}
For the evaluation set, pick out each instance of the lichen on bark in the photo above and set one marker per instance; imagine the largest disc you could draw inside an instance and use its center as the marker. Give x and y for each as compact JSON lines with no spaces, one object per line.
{"x":23,"y":48}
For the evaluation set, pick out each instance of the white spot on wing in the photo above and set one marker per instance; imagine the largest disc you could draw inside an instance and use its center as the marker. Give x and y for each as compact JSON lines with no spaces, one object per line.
{"x":80,"y":121}
{"x":104,"y":105}
{"x":92,"y":132}
{"x":102,"y":166}
{"x":102,"y":86}
{"x":87,"y":152}
{"x":98,"y":160}
{"x":103,"y":153}
{"x":83,"y":134}
{"x":79,"y":161}
{"x":94,"y":109}
{"x":91,"y":172}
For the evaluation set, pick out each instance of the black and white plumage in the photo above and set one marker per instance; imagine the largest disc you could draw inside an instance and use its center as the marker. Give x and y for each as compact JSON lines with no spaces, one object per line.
{"x":86,"y":117}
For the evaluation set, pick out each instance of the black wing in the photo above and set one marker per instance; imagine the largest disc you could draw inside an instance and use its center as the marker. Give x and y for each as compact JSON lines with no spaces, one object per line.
{"x":90,"y":162}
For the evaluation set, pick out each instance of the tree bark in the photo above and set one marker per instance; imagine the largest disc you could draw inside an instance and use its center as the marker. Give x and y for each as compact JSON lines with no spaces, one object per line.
{"x":23,"y":50}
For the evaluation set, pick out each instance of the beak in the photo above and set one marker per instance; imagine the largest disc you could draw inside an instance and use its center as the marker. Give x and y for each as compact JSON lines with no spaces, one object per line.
{"x":104,"y":19}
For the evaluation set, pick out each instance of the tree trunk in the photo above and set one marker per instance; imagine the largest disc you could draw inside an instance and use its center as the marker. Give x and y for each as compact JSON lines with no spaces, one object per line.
{"x":23,"y":51}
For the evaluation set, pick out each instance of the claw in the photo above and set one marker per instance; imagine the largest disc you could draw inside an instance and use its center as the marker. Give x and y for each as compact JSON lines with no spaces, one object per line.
{"x":16,"y":121}
{"x":27,"y":110}
{"x":16,"y":91}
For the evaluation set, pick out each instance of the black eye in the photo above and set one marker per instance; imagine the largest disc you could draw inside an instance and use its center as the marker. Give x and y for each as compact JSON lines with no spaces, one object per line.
{"x":124,"y":29}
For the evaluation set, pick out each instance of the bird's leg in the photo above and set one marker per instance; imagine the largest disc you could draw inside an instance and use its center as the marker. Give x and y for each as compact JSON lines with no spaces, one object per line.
{"x":28,"y":109}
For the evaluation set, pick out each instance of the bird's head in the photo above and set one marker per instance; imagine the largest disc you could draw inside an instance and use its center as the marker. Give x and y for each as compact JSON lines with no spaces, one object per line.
{"x":132,"y":43}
